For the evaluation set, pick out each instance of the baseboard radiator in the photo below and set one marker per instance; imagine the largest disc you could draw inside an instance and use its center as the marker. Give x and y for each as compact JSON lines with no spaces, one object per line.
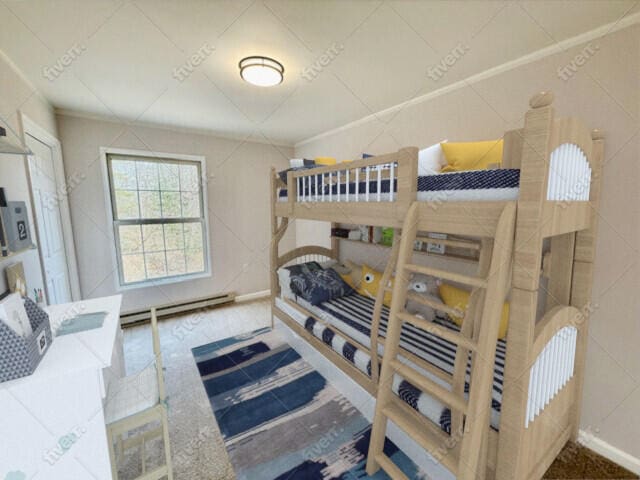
{"x":135,"y":317}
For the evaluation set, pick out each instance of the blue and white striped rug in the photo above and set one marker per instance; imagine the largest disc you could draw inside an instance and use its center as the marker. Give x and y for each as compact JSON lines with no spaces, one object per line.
{"x":281,"y":419}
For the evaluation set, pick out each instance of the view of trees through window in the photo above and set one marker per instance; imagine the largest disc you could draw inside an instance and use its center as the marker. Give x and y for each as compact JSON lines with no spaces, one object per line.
{"x":158,"y":217}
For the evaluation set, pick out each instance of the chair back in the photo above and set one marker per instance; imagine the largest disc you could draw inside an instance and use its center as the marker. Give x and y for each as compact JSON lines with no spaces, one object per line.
{"x":158,"y":354}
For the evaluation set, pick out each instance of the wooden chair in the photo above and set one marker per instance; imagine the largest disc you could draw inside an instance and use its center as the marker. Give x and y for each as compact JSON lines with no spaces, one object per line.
{"x":135,"y":401}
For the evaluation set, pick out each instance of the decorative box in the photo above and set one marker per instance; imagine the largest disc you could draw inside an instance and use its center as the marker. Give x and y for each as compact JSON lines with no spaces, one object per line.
{"x":20,"y":356}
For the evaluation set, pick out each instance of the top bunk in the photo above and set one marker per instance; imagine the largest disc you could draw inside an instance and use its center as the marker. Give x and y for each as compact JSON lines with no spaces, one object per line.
{"x":547,"y":165}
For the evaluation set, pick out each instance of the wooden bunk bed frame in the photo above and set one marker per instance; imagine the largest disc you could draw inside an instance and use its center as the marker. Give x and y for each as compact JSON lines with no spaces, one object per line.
{"x":537,"y":416}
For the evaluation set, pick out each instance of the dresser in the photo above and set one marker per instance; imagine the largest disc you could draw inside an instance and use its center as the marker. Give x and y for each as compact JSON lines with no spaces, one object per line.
{"x":51,"y":422}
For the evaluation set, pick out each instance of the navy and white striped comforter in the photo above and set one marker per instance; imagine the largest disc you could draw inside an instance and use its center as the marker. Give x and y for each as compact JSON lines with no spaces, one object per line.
{"x":352,"y":315}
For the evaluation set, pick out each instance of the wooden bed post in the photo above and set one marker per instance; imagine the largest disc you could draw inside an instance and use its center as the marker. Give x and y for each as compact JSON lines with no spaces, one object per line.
{"x":335,"y":243}
{"x":407,"y":175}
{"x":512,"y":458}
{"x":273,"y":250}
{"x":277,"y":232}
{"x":582,"y":281}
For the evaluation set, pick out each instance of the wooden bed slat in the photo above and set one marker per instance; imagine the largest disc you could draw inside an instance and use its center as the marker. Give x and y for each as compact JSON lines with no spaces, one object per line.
{"x":394,"y":472}
{"x":438,"y":330}
{"x":427,"y":385}
{"x":439,"y":306}
{"x":446,"y":275}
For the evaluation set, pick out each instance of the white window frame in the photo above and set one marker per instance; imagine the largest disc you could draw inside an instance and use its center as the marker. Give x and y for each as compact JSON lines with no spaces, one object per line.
{"x":111,"y":226}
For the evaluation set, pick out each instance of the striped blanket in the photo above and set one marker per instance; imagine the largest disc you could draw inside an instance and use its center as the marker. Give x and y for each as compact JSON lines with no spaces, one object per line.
{"x":352,"y":315}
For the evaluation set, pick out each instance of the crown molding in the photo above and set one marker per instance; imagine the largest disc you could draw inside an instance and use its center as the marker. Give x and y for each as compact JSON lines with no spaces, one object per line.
{"x":171,"y":128}
{"x":558,"y":47}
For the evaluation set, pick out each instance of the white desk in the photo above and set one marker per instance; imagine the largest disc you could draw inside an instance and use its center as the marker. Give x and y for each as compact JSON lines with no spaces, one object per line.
{"x":52,"y":423}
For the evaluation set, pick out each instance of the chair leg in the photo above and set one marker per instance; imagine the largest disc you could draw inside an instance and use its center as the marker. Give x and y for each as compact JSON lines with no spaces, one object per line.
{"x":112,"y":455}
{"x":167,"y":448}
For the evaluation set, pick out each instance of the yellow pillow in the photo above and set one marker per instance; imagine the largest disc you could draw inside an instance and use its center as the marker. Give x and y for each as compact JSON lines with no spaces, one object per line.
{"x":457,"y":298}
{"x":347,"y":278}
{"x":325,"y":161}
{"x":471,"y":155}
{"x":371,"y":282}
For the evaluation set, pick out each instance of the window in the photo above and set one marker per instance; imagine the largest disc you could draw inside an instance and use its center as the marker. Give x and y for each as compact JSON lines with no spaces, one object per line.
{"x":158,"y":218}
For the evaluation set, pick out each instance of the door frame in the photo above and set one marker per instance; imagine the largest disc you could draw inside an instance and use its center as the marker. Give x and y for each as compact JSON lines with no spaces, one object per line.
{"x":31,"y":128}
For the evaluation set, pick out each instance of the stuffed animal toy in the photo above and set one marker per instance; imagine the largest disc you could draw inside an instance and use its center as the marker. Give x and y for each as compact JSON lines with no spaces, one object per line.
{"x":427,"y":286}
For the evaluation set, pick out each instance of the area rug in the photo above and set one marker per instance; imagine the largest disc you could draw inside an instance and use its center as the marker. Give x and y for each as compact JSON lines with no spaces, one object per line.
{"x":281,"y":419}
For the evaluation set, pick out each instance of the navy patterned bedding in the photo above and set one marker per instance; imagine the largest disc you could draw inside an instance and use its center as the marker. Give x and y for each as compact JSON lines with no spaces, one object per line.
{"x":476,"y":180}
{"x":352,"y":315}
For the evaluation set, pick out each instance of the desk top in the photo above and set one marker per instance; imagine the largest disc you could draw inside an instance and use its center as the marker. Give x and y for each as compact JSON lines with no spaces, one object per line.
{"x":91,"y":349}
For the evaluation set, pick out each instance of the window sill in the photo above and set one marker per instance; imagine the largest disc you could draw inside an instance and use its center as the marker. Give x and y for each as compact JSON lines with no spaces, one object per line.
{"x":162,"y":281}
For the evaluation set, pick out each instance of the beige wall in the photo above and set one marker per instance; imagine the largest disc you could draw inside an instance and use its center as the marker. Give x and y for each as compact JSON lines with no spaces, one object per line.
{"x":605,"y":93}
{"x":239,"y":225}
{"x":17,"y":95}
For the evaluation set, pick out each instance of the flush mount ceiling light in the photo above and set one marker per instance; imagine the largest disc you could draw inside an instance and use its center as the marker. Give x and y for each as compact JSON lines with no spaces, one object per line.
{"x":261,"y":71}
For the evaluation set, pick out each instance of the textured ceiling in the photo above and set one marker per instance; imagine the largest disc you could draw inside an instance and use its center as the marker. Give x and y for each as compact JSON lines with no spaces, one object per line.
{"x":175,"y":63}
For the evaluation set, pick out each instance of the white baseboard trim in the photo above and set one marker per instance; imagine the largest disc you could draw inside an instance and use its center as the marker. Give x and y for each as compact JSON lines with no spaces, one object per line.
{"x":252,"y":296}
{"x":607,"y":450}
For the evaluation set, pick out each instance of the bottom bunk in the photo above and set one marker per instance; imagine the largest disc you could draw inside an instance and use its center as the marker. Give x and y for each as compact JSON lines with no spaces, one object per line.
{"x":351,"y":317}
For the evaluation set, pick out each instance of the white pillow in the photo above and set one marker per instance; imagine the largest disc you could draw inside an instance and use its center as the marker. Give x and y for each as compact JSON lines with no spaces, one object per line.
{"x":431,"y":160}
{"x":296,"y":162}
{"x":284,"y":279}
{"x":13,"y":313}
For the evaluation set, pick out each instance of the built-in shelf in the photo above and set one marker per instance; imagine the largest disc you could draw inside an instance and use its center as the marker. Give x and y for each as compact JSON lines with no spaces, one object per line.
{"x":419,"y":252}
{"x":19,"y":252}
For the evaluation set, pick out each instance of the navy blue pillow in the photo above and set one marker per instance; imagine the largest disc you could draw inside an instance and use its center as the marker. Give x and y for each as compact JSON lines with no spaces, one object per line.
{"x":283,"y":173}
{"x":304,"y":268}
{"x":319,"y":286}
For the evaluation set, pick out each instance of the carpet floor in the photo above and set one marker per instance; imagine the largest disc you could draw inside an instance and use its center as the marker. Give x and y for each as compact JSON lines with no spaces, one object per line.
{"x":198,"y":448}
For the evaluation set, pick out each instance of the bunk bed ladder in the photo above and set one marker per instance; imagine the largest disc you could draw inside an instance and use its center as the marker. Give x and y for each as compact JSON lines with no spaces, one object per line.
{"x":464,"y":451}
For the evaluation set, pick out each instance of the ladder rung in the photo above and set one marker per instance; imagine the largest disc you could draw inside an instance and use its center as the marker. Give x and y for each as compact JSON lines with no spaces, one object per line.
{"x":391,"y":468}
{"x":450,"y":243}
{"x":424,"y":432}
{"x":441,"y":307}
{"x":427,"y":385}
{"x":438,"y":330}
{"x":454,"y":277}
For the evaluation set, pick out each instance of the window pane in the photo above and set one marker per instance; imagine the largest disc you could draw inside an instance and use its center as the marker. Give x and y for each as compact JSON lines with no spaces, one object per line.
{"x":150,"y":205}
{"x":133,"y":268}
{"x":152,"y":238}
{"x":173,"y":236}
{"x":156,"y":266}
{"x":150,"y":190}
{"x":148,"y":176}
{"x":189,"y":181}
{"x":193,"y":236}
{"x":169,"y":176}
{"x":176,"y":262}
{"x":124,"y":174}
{"x":190,"y":204}
{"x":127,"y":204}
{"x":130,"y":239}
{"x":171,"y":205}
{"x":195,"y":261}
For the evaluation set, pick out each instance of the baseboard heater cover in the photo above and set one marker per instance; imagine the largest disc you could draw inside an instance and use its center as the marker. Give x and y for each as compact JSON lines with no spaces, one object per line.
{"x":143,"y":315}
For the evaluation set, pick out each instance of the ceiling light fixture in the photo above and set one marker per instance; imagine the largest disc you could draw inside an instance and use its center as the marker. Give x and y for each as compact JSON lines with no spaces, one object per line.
{"x":261,"y":71}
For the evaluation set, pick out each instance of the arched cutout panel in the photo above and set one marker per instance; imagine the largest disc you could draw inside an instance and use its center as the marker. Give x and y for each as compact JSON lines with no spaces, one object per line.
{"x":569,"y":174}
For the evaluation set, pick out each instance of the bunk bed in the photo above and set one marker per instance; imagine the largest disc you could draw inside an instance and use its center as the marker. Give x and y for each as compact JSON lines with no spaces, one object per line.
{"x":483,"y":407}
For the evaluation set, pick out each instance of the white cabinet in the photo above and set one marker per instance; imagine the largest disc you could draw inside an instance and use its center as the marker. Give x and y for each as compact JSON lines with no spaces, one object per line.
{"x":52,"y":423}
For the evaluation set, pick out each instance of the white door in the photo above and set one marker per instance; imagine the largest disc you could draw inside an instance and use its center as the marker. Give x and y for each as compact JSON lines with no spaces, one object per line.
{"x":49,"y":224}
